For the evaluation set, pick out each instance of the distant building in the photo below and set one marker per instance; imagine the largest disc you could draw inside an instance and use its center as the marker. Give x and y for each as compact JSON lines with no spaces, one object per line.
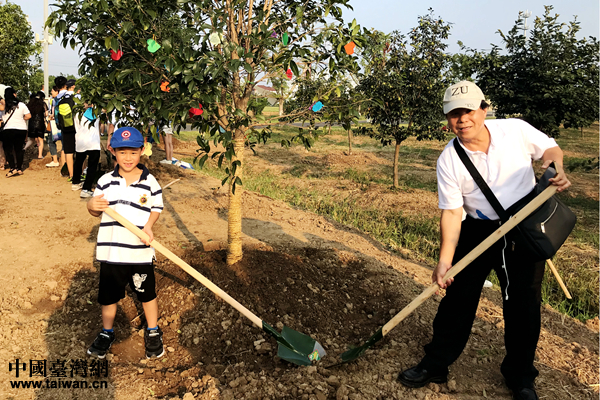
{"x":266,"y":91}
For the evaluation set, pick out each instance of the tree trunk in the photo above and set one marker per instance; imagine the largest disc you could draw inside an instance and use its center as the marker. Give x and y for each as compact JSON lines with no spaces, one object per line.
{"x":349,"y":141}
{"x":234,"y":220}
{"x":281,"y":101}
{"x":329,"y":131}
{"x":396,"y":153}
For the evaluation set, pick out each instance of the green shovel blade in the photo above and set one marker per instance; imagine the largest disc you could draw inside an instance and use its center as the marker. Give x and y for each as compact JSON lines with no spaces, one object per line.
{"x":354,"y":353}
{"x":295,"y":347}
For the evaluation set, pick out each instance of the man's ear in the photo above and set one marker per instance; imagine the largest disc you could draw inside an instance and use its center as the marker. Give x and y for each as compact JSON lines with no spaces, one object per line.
{"x":114,"y":153}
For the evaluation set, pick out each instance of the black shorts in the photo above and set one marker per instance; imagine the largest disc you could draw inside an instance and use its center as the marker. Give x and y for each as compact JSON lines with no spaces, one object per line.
{"x":68,"y":143}
{"x":114,"y":278}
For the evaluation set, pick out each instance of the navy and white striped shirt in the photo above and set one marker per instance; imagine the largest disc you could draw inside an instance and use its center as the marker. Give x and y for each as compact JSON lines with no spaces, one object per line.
{"x":116,"y":244}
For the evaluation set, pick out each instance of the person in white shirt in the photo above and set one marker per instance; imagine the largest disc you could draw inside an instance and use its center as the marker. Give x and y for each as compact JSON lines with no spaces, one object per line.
{"x":502,"y":151}
{"x":87,"y":145}
{"x":15,"y":119}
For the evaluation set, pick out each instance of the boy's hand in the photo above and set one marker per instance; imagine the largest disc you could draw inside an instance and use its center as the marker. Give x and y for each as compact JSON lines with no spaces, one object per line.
{"x":97,"y":205}
{"x":148,"y":230}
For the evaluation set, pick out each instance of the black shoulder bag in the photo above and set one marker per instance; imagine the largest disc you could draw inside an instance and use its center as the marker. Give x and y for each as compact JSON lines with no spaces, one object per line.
{"x":544,"y":230}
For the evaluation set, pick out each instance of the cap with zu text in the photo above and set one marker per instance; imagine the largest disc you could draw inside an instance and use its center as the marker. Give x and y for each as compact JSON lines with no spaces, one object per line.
{"x":126,"y":137}
{"x":463,"y":94}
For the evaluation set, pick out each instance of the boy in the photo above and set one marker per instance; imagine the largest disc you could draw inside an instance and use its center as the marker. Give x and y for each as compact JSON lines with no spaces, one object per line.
{"x":63,"y":115}
{"x":131,"y":191}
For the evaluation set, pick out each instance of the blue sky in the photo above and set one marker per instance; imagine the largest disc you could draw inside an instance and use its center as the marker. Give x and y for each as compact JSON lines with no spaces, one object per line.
{"x":475,"y":22}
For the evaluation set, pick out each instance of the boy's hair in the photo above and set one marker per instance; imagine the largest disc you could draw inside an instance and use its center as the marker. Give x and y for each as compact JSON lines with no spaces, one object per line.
{"x":135,"y":148}
{"x":60,"y":82}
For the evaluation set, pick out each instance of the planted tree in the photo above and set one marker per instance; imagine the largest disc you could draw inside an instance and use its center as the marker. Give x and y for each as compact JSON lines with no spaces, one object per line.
{"x":548,"y":79}
{"x":406,"y":87}
{"x":197,"y":62}
{"x":20,"y":52}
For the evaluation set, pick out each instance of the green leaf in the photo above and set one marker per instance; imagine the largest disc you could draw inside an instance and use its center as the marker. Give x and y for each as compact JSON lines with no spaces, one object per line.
{"x":294,"y":68}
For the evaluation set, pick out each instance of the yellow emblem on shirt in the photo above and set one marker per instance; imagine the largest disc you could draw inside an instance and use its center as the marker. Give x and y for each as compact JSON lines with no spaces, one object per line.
{"x":143,"y":199}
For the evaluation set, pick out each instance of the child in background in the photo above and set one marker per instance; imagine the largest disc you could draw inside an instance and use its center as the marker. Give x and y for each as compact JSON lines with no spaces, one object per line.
{"x":87,"y":145}
{"x":53,"y":134}
{"x":124,"y":259}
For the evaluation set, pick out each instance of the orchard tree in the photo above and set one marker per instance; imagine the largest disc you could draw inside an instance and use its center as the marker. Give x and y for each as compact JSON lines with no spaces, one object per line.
{"x":197,"y":62}
{"x":405,"y":88}
{"x":20,"y":52}
{"x":548,"y":79}
{"x":344,"y":108}
{"x":310,"y":90}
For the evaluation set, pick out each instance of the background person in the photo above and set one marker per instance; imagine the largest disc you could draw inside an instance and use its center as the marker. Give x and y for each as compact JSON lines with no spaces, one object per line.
{"x":2,"y":157}
{"x":502,"y":151}
{"x":15,"y":119}
{"x":87,"y":146}
{"x":53,"y":135}
{"x":63,"y":114}
{"x":166,"y":133}
{"x":37,"y":122}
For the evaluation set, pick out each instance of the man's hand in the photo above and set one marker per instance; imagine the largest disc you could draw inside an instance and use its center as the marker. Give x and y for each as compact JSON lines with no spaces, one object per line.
{"x":438,"y":275}
{"x":560,"y":179}
{"x":96,"y":205}
{"x":148,"y":230}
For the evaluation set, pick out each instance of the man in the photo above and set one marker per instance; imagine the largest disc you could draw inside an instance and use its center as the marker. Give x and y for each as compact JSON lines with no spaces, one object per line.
{"x":502,"y":152}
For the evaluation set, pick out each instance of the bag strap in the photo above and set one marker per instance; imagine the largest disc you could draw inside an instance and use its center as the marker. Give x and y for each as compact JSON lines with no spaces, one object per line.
{"x":6,"y":123}
{"x":487,"y":192}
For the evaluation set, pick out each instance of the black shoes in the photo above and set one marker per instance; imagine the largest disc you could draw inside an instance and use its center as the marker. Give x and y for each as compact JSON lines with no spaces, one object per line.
{"x":417,"y":377}
{"x":154,"y":343}
{"x":525,"y":394}
{"x":102,"y":343}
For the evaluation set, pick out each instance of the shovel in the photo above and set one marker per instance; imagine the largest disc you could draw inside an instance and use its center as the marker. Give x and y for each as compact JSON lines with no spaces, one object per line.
{"x":356,"y":352}
{"x":295,"y":347}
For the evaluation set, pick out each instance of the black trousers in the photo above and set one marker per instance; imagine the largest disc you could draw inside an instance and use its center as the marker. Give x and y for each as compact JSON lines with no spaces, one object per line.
{"x":14,"y":139}
{"x":520,"y":280}
{"x":94,"y":158}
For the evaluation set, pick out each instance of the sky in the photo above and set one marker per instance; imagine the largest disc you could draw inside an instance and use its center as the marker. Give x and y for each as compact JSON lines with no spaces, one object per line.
{"x":475,"y":22}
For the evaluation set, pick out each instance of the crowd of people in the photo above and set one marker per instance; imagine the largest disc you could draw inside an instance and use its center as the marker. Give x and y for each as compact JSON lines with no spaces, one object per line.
{"x":49,"y":121}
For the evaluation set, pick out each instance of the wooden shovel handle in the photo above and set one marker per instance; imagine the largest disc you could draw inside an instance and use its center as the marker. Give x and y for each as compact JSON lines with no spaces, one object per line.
{"x":186,"y":267}
{"x":473,"y":254}
{"x":560,"y":281}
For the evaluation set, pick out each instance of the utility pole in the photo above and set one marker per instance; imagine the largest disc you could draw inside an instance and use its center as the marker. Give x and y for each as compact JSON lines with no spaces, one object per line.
{"x":524,"y":14}
{"x":46,"y":40}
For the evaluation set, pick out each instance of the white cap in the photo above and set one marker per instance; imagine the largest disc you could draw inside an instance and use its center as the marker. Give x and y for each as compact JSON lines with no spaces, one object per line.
{"x":463,"y":94}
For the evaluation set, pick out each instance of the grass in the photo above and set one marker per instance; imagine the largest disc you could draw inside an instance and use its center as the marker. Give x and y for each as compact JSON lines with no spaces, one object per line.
{"x":336,"y":191}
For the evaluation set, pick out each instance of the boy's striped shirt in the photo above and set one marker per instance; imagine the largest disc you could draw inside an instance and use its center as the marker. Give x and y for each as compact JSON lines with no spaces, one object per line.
{"x":116,"y":244}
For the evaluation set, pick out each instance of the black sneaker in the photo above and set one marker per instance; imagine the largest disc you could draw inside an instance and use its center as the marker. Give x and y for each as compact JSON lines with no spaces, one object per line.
{"x":102,"y":343}
{"x":154,"y":343}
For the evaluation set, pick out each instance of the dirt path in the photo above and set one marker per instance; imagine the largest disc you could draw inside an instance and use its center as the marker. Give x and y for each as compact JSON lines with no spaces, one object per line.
{"x":315,"y":276}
